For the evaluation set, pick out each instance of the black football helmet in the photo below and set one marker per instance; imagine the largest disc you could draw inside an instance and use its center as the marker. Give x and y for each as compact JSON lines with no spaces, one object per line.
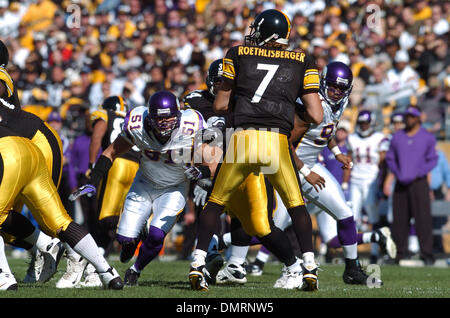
{"x":269,"y":25}
{"x":214,"y":75}
{"x":115,"y":103}
{"x":4,"y":54}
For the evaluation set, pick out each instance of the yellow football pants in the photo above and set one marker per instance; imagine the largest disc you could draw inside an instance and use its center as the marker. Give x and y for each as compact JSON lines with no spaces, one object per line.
{"x":26,"y":178}
{"x":113,"y":192}
{"x":256,"y":151}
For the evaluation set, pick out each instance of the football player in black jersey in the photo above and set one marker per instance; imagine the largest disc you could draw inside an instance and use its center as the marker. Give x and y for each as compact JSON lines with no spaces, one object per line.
{"x":30,"y":126}
{"x":265,"y":79}
{"x":46,"y":207}
{"x":24,"y":174}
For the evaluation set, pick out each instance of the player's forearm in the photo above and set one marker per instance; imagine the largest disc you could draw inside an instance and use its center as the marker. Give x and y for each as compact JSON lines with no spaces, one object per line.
{"x":94,"y":148}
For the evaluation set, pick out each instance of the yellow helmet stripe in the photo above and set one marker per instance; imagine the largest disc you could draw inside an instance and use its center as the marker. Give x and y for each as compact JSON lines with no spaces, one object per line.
{"x":288,"y":22}
{"x":122,"y":106}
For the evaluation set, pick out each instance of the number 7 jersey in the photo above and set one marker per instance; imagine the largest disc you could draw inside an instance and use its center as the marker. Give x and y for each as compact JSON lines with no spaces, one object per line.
{"x":163,"y":164}
{"x":266,"y":83}
{"x":317,"y":136}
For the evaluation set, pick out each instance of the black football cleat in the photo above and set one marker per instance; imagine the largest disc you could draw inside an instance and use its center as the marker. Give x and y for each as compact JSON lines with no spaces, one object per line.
{"x":131,"y":277}
{"x":197,"y":278}
{"x":310,"y":278}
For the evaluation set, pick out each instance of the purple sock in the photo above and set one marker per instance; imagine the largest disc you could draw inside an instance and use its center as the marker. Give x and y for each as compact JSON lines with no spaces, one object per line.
{"x":254,"y":241}
{"x":150,"y":248}
{"x":123,"y":239}
{"x":360,"y":238}
{"x":347,"y":231}
{"x":334,"y":242}
{"x":264,"y":250}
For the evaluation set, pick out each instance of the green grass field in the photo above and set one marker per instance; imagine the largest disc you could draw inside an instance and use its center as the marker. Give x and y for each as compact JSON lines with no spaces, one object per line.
{"x":168,"y":279}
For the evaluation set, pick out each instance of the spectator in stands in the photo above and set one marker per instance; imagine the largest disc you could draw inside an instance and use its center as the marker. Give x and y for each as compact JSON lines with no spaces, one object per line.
{"x":411,"y":156}
{"x":403,"y":79}
{"x":433,"y":118}
{"x":39,"y":15}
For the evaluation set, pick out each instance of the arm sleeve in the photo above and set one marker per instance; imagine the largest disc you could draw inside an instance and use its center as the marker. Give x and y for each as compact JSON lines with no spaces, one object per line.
{"x":229,"y":66}
{"x":391,"y":159}
{"x":311,"y":77}
{"x":431,"y":157}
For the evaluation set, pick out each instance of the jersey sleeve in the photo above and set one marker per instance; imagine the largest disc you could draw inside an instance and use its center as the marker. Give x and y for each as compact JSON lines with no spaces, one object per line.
{"x":99,"y":114}
{"x":230,"y":65}
{"x":384,"y":144}
{"x":189,"y":99}
{"x":7,"y":80}
{"x":311,"y":77}
{"x":126,"y":134}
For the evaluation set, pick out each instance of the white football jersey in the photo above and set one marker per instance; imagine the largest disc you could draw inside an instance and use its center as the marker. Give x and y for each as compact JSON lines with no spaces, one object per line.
{"x":317,"y":136}
{"x":366,"y":156}
{"x":163,"y":164}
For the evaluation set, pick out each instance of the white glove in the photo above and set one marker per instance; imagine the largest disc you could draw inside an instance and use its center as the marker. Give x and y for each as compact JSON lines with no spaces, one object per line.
{"x":200,"y":196}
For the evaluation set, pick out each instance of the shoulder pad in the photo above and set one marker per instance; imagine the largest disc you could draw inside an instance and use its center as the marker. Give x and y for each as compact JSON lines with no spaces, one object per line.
{"x":99,"y":114}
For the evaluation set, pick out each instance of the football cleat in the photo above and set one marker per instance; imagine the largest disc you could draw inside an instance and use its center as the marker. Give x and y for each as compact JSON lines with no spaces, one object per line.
{"x":310,"y":279}
{"x":281,"y":281}
{"x":386,"y":242}
{"x":34,"y":268}
{"x":355,"y":275}
{"x":253,"y":269}
{"x":51,"y":258}
{"x":214,"y":263}
{"x":111,"y":279}
{"x":232,"y":274}
{"x":290,"y":279}
{"x":7,"y":281}
{"x":131,"y":277}
{"x":92,"y":279}
{"x":74,"y":272}
{"x":127,"y":251}
{"x":197,"y":278}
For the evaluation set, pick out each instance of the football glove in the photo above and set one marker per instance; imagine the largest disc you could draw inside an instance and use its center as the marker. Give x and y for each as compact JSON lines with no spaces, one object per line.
{"x":87,"y":189}
{"x":200,"y":196}
{"x":196,"y":173}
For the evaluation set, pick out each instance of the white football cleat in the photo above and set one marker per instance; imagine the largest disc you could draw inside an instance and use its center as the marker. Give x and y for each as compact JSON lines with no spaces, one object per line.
{"x":290,"y":279}
{"x":92,"y":279}
{"x":74,"y":272}
{"x":386,"y":242}
{"x":51,"y":258}
{"x":7,"y":281}
{"x":232,"y":273}
{"x":281,"y":281}
{"x":111,"y":279}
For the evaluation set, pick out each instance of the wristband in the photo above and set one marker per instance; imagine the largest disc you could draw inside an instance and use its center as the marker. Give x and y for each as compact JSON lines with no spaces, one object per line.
{"x":101,"y":168}
{"x":336,"y":151}
{"x":206,"y":173}
{"x":305,"y":171}
{"x":344,"y":185}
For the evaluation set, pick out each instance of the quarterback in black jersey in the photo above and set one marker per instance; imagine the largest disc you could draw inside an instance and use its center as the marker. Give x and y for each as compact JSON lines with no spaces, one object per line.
{"x":265,"y":80}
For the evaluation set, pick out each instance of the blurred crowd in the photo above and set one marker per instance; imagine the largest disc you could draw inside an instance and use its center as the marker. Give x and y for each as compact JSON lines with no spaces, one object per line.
{"x":67,"y":55}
